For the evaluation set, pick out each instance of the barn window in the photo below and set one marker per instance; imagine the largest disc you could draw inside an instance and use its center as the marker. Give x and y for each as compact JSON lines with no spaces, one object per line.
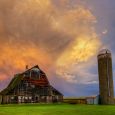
{"x":19,"y":97}
{"x":12,"y":97}
{"x":27,"y":84}
{"x":30,"y":98}
{"x":36,"y":73}
{"x":27,"y":74}
{"x":26,"y":98}
{"x":33,"y":86}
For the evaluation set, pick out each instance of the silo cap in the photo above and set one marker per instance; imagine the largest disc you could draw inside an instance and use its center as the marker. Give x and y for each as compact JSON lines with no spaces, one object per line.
{"x":104,"y":51}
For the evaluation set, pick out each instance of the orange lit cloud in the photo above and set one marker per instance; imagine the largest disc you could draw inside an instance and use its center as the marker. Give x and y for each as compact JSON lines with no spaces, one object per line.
{"x":37,"y":32}
{"x":80,"y":51}
{"x":14,"y":57}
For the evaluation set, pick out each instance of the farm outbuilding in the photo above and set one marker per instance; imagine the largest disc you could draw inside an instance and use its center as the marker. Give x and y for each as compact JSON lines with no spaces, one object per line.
{"x":106,"y":86}
{"x":93,"y":100}
{"x":31,"y":86}
{"x":74,"y":100}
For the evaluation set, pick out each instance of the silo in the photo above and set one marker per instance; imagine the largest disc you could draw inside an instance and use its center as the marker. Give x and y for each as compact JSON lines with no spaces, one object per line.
{"x":105,"y":77}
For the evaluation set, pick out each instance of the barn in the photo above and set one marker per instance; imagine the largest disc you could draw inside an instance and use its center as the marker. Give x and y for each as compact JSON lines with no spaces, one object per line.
{"x":31,"y":86}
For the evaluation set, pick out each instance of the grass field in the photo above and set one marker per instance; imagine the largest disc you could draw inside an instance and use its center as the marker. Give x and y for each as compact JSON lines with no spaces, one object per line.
{"x":56,"y":109}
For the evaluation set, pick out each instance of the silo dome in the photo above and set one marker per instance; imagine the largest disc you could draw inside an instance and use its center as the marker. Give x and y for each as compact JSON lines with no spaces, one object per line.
{"x":104,"y":51}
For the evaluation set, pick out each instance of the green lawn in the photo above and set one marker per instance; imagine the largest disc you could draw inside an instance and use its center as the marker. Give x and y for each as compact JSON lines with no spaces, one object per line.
{"x":56,"y":109}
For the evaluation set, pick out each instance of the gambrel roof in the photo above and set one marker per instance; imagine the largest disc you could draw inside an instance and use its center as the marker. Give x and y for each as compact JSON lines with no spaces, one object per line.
{"x":14,"y":82}
{"x":18,"y":77}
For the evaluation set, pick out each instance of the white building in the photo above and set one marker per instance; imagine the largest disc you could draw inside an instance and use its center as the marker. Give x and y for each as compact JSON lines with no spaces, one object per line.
{"x":94,"y":100}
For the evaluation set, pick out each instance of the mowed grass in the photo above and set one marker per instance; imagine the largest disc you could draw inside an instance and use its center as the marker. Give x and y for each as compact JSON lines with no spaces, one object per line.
{"x":56,"y":109}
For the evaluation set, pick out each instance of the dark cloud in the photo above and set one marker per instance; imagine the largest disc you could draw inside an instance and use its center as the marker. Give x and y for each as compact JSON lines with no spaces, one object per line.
{"x":40,"y":32}
{"x":23,"y":24}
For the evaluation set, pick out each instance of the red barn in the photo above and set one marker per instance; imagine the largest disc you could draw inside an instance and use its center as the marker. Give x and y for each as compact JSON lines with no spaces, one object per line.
{"x":31,"y":86}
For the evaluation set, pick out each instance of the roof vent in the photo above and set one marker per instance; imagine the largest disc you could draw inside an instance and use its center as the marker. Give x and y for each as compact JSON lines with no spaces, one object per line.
{"x":26,"y":67}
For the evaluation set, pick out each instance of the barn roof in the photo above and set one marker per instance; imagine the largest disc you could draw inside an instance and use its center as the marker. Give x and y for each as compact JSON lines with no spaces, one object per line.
{"x":17,"y":79}
{"x":56,"y":91}
{"x":14,"y":82}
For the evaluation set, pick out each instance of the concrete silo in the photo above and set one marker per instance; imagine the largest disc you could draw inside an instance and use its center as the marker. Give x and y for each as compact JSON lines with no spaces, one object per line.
{"x":105,"y":77}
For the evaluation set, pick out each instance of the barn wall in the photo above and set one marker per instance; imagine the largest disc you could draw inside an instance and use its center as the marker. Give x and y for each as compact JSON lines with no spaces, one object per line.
{"x":7,"y":99}
{"x":0,"y":99}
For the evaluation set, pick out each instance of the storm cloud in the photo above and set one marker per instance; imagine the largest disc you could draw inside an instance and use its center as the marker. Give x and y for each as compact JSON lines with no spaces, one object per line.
{"x":59,"y":36}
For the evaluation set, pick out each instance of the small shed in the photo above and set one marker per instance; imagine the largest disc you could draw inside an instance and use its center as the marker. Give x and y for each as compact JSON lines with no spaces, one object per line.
{"x":75,"y":100}
{"x":94,"y":100}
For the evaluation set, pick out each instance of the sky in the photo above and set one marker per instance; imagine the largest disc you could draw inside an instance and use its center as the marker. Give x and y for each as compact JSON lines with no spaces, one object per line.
{"x":63,"y":37}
